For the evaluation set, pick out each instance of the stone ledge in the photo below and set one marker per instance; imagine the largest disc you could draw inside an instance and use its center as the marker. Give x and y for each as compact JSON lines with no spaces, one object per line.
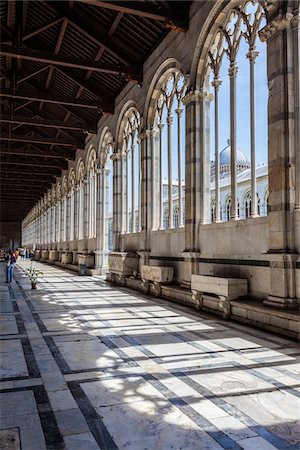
{"x":250,"y":312}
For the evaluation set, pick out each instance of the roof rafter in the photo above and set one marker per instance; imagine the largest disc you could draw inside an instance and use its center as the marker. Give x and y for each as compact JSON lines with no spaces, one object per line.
{"x":48,"y":98}
{"x":84,"y":24}
{"x":172,"y":19}
{"x":38,"y":153}
{"x":41,"y":123}
{"x":41,"y":140}
{"x":131,"y":72}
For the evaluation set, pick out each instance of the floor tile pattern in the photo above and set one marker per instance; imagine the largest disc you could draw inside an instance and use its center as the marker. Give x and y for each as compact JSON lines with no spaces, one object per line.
{"x":87,"y":366}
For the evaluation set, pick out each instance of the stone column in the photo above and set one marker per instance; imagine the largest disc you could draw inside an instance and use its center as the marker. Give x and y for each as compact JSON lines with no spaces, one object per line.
{"x":117,"y":199}
{"x":170,"y":175}
{"x":232,"y":71}
{"x":282,"y":59}
{"x":252,"y":55}
{"x":192,"y":169}
{"x":99,"y":219}
{"x":216,"y":84}
{"x":86,"y":208}
{"x":295,"y":23}
{"x":81,"y":211}
{"x":72,"y":208}
{"x":59,"y":222}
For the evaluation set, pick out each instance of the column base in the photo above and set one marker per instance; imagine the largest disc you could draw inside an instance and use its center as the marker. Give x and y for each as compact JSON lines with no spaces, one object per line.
{"x":281,"y":302}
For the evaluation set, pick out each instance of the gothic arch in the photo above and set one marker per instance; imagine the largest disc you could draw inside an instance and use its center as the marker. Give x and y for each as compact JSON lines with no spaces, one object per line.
{"x":105,"y":143}
{"x":216,"y":18}
{"x":160,"y":76}
{"x":80,"y":171}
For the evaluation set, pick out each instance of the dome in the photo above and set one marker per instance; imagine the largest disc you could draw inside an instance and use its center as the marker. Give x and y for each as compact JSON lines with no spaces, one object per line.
{"x":225,"y":157}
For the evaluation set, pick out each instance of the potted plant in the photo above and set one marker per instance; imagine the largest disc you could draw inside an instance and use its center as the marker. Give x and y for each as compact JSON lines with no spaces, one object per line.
{"x":33,"y":275}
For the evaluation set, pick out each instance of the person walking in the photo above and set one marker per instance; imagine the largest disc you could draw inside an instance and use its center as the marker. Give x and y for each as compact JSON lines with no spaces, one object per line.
{"x":10,"y":264}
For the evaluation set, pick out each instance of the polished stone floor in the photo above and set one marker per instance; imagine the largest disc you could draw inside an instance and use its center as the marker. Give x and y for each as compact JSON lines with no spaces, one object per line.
{"x":86,"y":366}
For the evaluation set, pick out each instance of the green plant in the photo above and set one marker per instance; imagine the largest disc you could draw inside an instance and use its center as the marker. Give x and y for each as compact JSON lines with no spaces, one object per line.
{"x":33,"y":274}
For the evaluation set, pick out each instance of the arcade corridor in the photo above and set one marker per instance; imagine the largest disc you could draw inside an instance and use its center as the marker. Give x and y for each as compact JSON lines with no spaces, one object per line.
{"x":85,"y":366}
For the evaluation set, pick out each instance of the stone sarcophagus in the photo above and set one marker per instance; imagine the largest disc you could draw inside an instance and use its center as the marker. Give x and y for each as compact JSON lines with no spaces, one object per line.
{"x":157,"y":275}
{"x":53,"y":255}
{"x":66,"y":258}
{"x":37,"y":255}
{"x":88,"y":260}
{"x":122,"y":265}
{"x":45,"y":254}
{"x":215,"y":292}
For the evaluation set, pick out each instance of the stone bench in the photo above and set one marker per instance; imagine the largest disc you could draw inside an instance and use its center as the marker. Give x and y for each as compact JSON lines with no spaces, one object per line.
{"x":66,"y":258}
{"x":45,"y":255}
{"x":88,"y":260}
{"x":53,"y":255}
{"x":122,"y":265}
{"x":215,"y":293}
{"x":157,"y":275}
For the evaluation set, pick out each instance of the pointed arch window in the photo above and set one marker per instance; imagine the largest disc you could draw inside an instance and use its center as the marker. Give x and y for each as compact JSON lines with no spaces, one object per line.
{"x":236,"y":81}
{"x":169,"y":146}
{"x":131,"y":173}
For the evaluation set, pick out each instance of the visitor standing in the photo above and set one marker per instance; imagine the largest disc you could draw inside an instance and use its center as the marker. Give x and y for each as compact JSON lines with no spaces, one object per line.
{"x":10,"y":261}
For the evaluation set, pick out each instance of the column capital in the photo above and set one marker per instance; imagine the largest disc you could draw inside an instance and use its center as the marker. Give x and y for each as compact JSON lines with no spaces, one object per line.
{"x":192,"y":96}
{"x":280,"y":22}
{"x":216,"y":83}
{"x":115,"y":156}
{"x":169,"y":119}
{"x":233,"y":70}
{"x":252,"y":55}
{"x":179,"y":111}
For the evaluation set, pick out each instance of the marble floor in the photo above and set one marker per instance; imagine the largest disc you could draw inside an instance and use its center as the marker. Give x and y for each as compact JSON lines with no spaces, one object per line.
{"x":87,"y":366}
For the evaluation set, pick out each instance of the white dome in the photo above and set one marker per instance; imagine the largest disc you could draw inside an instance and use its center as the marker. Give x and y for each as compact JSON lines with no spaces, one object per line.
{"x":225,"y":157}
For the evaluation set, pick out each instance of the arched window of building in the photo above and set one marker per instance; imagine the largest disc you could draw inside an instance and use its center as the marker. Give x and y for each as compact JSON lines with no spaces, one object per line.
{"x":235,"y":93}
{"x":228,"y":208}
{"x":266,"y":203}
{"x":131,"y":172}
{"x":166,"y":218}
{"x":169,"y":146}
{"x":247,"y":205}
{"x":213,"y":210}
{"x":176,"y":216}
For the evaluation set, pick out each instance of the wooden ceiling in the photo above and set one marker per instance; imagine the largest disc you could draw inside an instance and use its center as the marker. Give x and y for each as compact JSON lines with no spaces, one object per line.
{"x":63,"y":63}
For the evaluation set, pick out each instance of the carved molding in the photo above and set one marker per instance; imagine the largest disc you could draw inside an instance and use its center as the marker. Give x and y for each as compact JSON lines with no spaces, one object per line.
{"x":281,"y":22}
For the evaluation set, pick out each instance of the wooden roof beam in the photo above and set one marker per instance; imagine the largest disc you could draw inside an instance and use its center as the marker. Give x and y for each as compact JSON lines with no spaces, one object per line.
{"x":62,"y":164}
{"x":171,"y":18}
{"x":32,"y":121}
{"x":48,"y":98}
{"x":42,"y":28}
{"x":39,"y":153}
{"x":86,"y":25}
{"x":130,"y":73}
{"x":42,"y":140}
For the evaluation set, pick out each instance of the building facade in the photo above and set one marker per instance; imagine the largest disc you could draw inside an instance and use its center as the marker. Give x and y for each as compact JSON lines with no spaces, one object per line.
{"x":229,"y":218}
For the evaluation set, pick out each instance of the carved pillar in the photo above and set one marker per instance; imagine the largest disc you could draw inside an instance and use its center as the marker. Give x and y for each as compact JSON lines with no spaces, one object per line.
{"x":282,"y":75}
{"x":232,"y":71}
{"x":216,"y":84}
{"x":72,"y":208}
{"x":117,"y":199}
{"x":192,"y":169}
{"x":99,"y":219}
{"x":86,"y":208}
